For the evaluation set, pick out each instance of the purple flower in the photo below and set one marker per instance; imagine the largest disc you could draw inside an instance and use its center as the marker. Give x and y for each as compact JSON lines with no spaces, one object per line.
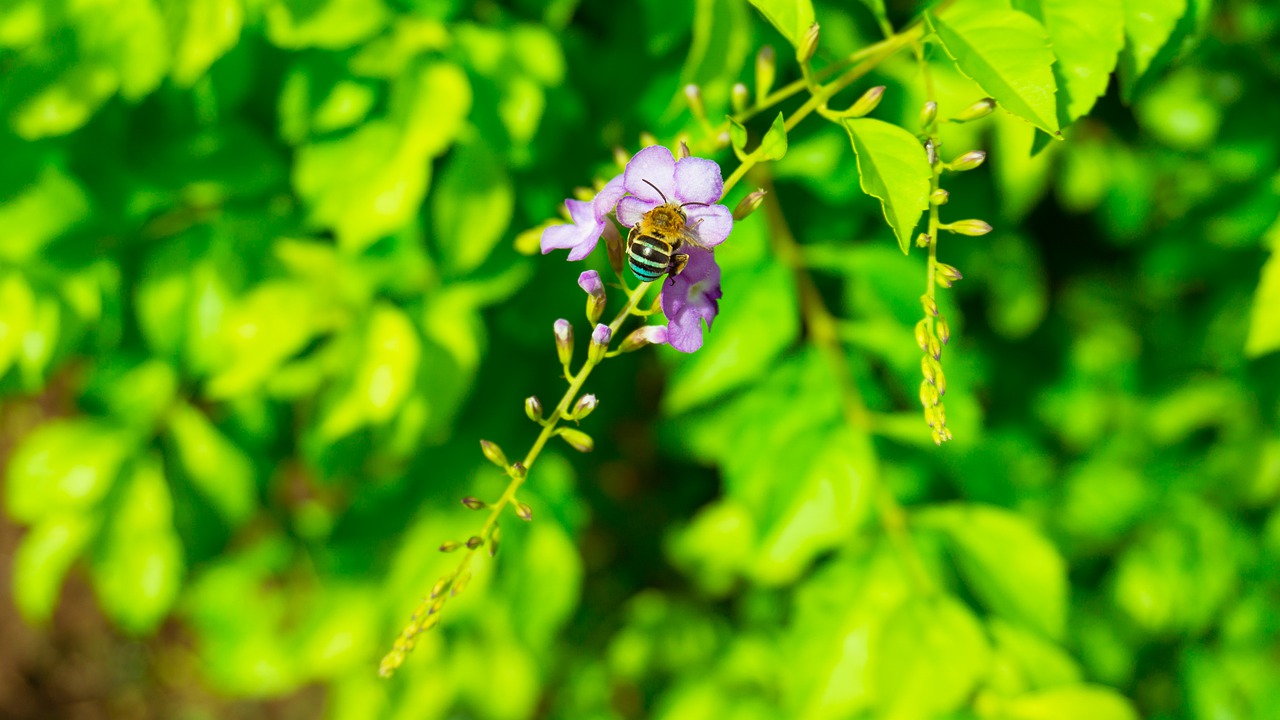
{"x":590,"y":221}
{"x":690,"y":298}
{"x":691,"y":180}
{"x":601,"y":335}
{"x":590,"y":283}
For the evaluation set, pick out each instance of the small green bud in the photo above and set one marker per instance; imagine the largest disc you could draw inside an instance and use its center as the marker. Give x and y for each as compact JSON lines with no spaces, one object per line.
{"x":808,"y":45}
{"x":928,"y":114}
{"x":922,"y":334}
{"x":930,"y":306}
{"x":929,"y":368}
{"x":460,"y":584}
{"x":865,"y":104}
{"x":472,"y":503}
{"x":441,"y":585}
{"x":766,"y":71}
{"x":940,"y":381}
{"x":923,"y":240}
{"x":969,"y":227}
{"x":748,"y":205}
{"x":938,"y":438}
{"x":494,"y":453}
{"x":600,"y":338}
{"x":518,"y":470}
{"x":740,"y":97}
{"x":943,"y":329}
{"x":939,"y":197}
{"x":976,"y":111}
{"x":495,"y":537}
{"x":948,"y":274}
{"x":934,"y":348}
{"x":931,"y":415}
{"x":693,"y":94}
{"x":564,"y":340}
{"x":449,"y":546}
{"x":931,"y":152}
{"x":524,"y":512}
{"x":533,"y":408}
{"x":968,"y":161}
{"x":640,"y":337}
{"x":928,"y":394}
{"x":578,"y":440}
{"x":474,"y":542}
{"x":941,"y":413}
{"x":593,"y":286}
{"x":585,"y":406}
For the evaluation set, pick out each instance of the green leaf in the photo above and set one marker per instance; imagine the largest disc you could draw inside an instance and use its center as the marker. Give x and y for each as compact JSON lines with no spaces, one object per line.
{"x":1007,"y":54}
{"x":1039,"y":663}
{"x":53,"y":204}
{"x":738,"y":138}
{"x":720,"y":47}
{"x":1264,"y":323}
{"x":1012,"y":568}
{"x":928,"y":658}
{"x":328,"y":24}
{"x":42,"y":561}
{"x":894,"y":168}
{"x":138,"y":569}
{"x":202,"y":32}
{"x":19,"y":303}
{"x":1072,"y":702}
{"x":472,"y":205}
{"x":215,"y":465}
{"x":271,"y":323}
{"x":792,"y":18}
{"x":1086,"y":36}
{"x":1148,"y":24}
{"x":386,"y":374}
{"x":66,"y":465}
{"x":774,"y":144}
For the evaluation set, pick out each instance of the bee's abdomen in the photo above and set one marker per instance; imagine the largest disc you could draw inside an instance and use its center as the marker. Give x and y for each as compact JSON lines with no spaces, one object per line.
{"x":648,"y":260}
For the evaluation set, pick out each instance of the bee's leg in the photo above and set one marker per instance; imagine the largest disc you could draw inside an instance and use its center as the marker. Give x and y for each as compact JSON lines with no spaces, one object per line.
{"x":677,"y":265}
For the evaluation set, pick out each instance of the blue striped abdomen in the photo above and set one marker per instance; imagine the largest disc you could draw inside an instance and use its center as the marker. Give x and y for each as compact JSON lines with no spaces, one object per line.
{"x":649,"y":259}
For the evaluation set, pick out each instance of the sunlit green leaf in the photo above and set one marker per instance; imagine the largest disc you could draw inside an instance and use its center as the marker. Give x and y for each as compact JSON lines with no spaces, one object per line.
{"x":384,"y":377}
{"x":1012,"y":568}
{"x":894,"y":169}
{"x":773,"y":146}
{"x":928,"y":657}
{"x":1147,"y":26}
{"x":1007,"y":53}
{"x":1264,"y":326}
{"x":219,"y":469}
{"x":202,"y":32}
{"x":471,"y":206}
{"x":51,"y":205}
{"x":43,"y":559}
{"x":1086,"y":37}
{"x":330,"y":24}
{"x":1070,"y":703}
{"x":792,"y":18}
{"x":63,"y":466}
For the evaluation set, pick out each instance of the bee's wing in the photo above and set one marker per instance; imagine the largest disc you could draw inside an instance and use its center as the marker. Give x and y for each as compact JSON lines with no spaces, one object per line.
{"x":688,"y":235}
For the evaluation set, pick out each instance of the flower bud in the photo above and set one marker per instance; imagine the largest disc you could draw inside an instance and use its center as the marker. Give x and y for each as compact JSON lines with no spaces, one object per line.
{"x":740,"y":97}
{"x":449,"y":546}
{"x":613,"y":246}
{"x":930,"y":306}
{"x":460,"y":584}
{"x":938,"y":439}
{"x":808,"y":45}
{"x":943,"y":329}
{"x":524,"y":512}
{"x":939,"y":197}
{"x":976,"y":111}
{"x":766,"y":71}
{"x":922,"y":334}
{"x":934,"y":348}
{"x":683,"y":151}
{"x":578,"y":440}
{"x":600,"y":338}
{"x":931,"y":152}
{"x":865,"y":104}
{"x":968,"y":161}
{"x":928,"y":114}
{"x":928,"y":394}
{"x":930,"y":369}
{"x":494,"y":453}
{"x":518,"y":470}
{"x":647,"y":335}
{"x":931,"y":416}
{"x":940,"y":381}
{"x":441,"y":585}
{"x":590,"y":283}
{"x":473,"y":503}
{"x":947,"y":274}
{"x":533,"y":408}
{"x":474,"y":542}
{"x":584,"y":407}
{"x":564,"y":341}
{"x":923,"y":240}
{"x":495,"y":537}
{"x":748,"y":205}
{"x":969,"y":227}
{"x":693,"y":94}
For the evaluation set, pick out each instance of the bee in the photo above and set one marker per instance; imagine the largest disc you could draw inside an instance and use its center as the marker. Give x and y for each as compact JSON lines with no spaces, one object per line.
{"x":654,"y":242}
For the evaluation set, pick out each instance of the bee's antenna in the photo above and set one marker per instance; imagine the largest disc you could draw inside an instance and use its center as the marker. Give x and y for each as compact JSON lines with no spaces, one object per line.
{"x":655,"y":187}
{"x":695,"y":203}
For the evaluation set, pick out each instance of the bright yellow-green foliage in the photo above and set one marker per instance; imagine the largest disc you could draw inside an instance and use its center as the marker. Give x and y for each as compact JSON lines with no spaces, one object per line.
{"x":265,"y":283}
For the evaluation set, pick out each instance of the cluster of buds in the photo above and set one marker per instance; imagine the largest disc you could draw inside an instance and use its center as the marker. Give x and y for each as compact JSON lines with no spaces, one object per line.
{"x":933,"y":332}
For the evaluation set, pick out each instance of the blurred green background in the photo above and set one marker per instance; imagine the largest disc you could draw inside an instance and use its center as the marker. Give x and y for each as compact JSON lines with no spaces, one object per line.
{"x":263,"y":288}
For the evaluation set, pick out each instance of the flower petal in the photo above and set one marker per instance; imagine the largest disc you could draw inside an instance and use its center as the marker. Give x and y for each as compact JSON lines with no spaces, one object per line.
{"x":584,"y":248}
{"x":632,"y":208}
{"x":559,"y":237}
{"x":608,"y":197}
{"x":691,"y":298}
{"x":655,"y":164}
{"x":684,"y":332}
{"x":698,"y":180}
{"x":711,"y":223}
